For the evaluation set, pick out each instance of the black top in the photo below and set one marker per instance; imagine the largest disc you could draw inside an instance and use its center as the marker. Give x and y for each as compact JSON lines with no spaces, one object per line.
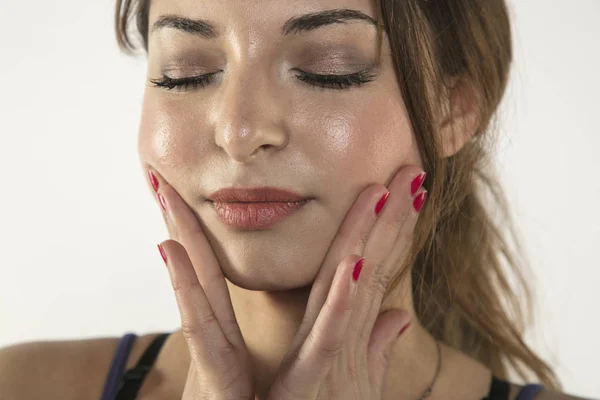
{"x":132,"y":380}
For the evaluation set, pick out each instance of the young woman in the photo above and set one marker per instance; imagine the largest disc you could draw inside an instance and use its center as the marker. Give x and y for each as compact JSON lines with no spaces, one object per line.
{"x":321,"y":168}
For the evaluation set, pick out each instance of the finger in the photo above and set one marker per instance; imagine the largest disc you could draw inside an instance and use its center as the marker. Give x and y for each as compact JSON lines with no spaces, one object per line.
{"x":388,"y":241}
{"x":385,"y":334}
{"x":350,"y":239}
{"x":190,"y":234}
{"x":154,"y":185}
{"x":207,"y":344}
{"x":307,"y":367}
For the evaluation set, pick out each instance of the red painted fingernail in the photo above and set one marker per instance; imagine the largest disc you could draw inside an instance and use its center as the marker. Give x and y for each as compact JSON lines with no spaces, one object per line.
{"x":162,"y":202}
{"x":417,"y":183}
{"x":403,"y":329}
{"x":419,"y":201}
{"x":162,"y":253}
{"x":153,"y":180}
{"x":381,"y":203}
{"x":357,"y":268}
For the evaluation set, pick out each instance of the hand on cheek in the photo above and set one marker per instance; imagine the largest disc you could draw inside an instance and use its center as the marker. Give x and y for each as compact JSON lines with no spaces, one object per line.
{"x":342,"y":317}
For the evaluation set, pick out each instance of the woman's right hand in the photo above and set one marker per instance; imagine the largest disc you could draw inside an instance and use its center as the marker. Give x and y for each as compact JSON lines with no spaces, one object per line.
{"x":220,"y":364}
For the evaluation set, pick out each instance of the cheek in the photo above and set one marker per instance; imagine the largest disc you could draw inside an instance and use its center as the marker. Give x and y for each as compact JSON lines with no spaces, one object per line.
{"x":357,"y":141}
{"x":166,"y":140}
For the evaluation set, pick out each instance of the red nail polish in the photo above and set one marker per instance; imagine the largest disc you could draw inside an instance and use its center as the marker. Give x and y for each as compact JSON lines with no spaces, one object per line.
{"x":357,"y":268}
{"x":381,"y":203}
{"x":153,"y":180}
{"x":417,"y":183}
{"x":403,"y":329}
{"x":162,"y":253}
{"x":162,"y":202}
{"x":419,"y":201}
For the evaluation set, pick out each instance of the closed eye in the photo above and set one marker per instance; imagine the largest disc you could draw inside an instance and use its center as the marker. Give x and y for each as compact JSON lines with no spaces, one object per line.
{"x":335,"y":82}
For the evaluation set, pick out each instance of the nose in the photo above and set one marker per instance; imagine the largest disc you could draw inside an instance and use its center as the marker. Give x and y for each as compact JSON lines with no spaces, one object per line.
{"x":250,"y":115}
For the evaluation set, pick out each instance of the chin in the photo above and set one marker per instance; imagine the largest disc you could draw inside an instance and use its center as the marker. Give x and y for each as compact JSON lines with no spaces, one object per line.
{"x":280,"y":259}
{"x":269,"y":278}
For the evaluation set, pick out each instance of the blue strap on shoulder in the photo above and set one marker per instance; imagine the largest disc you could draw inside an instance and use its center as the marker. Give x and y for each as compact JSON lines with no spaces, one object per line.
{"x":529,"y":391}
{"x":117,"y":366}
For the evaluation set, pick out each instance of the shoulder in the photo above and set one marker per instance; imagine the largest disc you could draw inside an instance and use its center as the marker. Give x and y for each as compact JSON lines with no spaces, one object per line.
{"x":66,"y":369}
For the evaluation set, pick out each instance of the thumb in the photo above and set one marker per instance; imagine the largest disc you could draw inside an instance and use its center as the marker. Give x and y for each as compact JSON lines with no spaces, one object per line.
{"x":386,"y":330}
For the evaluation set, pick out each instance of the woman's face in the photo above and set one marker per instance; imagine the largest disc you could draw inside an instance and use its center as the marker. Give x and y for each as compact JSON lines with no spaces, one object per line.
{"x":256,"y":123}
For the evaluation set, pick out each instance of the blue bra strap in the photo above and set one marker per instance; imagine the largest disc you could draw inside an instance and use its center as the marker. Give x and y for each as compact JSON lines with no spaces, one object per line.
{"x":529,"y":391}
{"x":118,"y":366}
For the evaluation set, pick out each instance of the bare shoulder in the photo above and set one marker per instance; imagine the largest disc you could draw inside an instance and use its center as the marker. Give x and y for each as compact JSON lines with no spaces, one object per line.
{"x":66,"y":369}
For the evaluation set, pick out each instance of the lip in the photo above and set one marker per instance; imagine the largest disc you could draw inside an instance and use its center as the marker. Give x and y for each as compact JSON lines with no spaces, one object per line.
{"x":255,"y":216}
{"x":256,"y":195}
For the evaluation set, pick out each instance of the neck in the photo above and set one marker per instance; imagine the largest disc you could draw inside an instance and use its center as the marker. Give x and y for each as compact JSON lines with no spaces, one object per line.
{"x":277,"y":315}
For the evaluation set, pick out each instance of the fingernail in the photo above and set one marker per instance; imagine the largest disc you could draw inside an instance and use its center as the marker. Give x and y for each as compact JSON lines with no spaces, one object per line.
{"x":162,"y":253}
{"x":419,"y":201}
{"x":357,"y":268}
{"x":153,"y":180}
{"x":417,"y":183}
{"x":403,"y":329}
{"x":162,"y":201}
{"x":381,"y":203}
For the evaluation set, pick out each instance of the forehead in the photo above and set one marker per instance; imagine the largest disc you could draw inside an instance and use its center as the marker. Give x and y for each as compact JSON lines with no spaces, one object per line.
{"x":253,"y":14}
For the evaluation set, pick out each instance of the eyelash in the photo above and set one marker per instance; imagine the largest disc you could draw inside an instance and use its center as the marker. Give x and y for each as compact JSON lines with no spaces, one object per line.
{"x":335,"y":82}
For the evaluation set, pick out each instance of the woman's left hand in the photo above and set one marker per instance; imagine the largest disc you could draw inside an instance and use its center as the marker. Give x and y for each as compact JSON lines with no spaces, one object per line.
{"x":343,"y":346}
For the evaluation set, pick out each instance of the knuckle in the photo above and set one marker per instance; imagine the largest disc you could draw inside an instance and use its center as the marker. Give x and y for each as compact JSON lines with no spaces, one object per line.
{"x":225,"y":350}
{"x":380,"y":279}
{"x":363,"y":238}
{"x":181,"y":287}
{"x":401,"y":217}
{"x":190,"y":329}
{"x":229,"y":319}
{"x":329,"y":350}
{"x":325,"y":348}
{"x":208,"y":319}
{"x":395,"y":224}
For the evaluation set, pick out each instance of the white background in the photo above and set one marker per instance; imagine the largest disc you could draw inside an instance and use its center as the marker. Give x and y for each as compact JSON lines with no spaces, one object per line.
{"x":79,"y":228}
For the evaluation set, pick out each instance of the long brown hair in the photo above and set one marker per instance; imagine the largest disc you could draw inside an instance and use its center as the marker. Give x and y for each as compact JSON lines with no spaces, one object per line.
{"x":469,"y":284}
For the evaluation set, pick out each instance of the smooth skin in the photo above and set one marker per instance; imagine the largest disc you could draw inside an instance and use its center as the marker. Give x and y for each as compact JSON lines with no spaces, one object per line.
{"x":343,"y":345}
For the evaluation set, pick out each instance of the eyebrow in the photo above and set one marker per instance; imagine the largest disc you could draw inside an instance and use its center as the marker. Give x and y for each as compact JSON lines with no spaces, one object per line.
{"x":293,"y":26}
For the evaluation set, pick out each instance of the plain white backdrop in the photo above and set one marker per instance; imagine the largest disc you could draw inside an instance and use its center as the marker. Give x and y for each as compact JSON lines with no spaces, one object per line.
{"x":79,"y":227}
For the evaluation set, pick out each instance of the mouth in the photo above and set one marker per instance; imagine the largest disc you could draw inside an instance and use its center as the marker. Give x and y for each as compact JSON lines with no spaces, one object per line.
{"x":265,"y":194}
{"x":253,"y":216}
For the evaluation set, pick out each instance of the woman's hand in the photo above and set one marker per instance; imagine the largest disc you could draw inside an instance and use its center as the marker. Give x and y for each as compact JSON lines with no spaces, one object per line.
{"x":342,"y":348}
{"x":220,"y":365}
